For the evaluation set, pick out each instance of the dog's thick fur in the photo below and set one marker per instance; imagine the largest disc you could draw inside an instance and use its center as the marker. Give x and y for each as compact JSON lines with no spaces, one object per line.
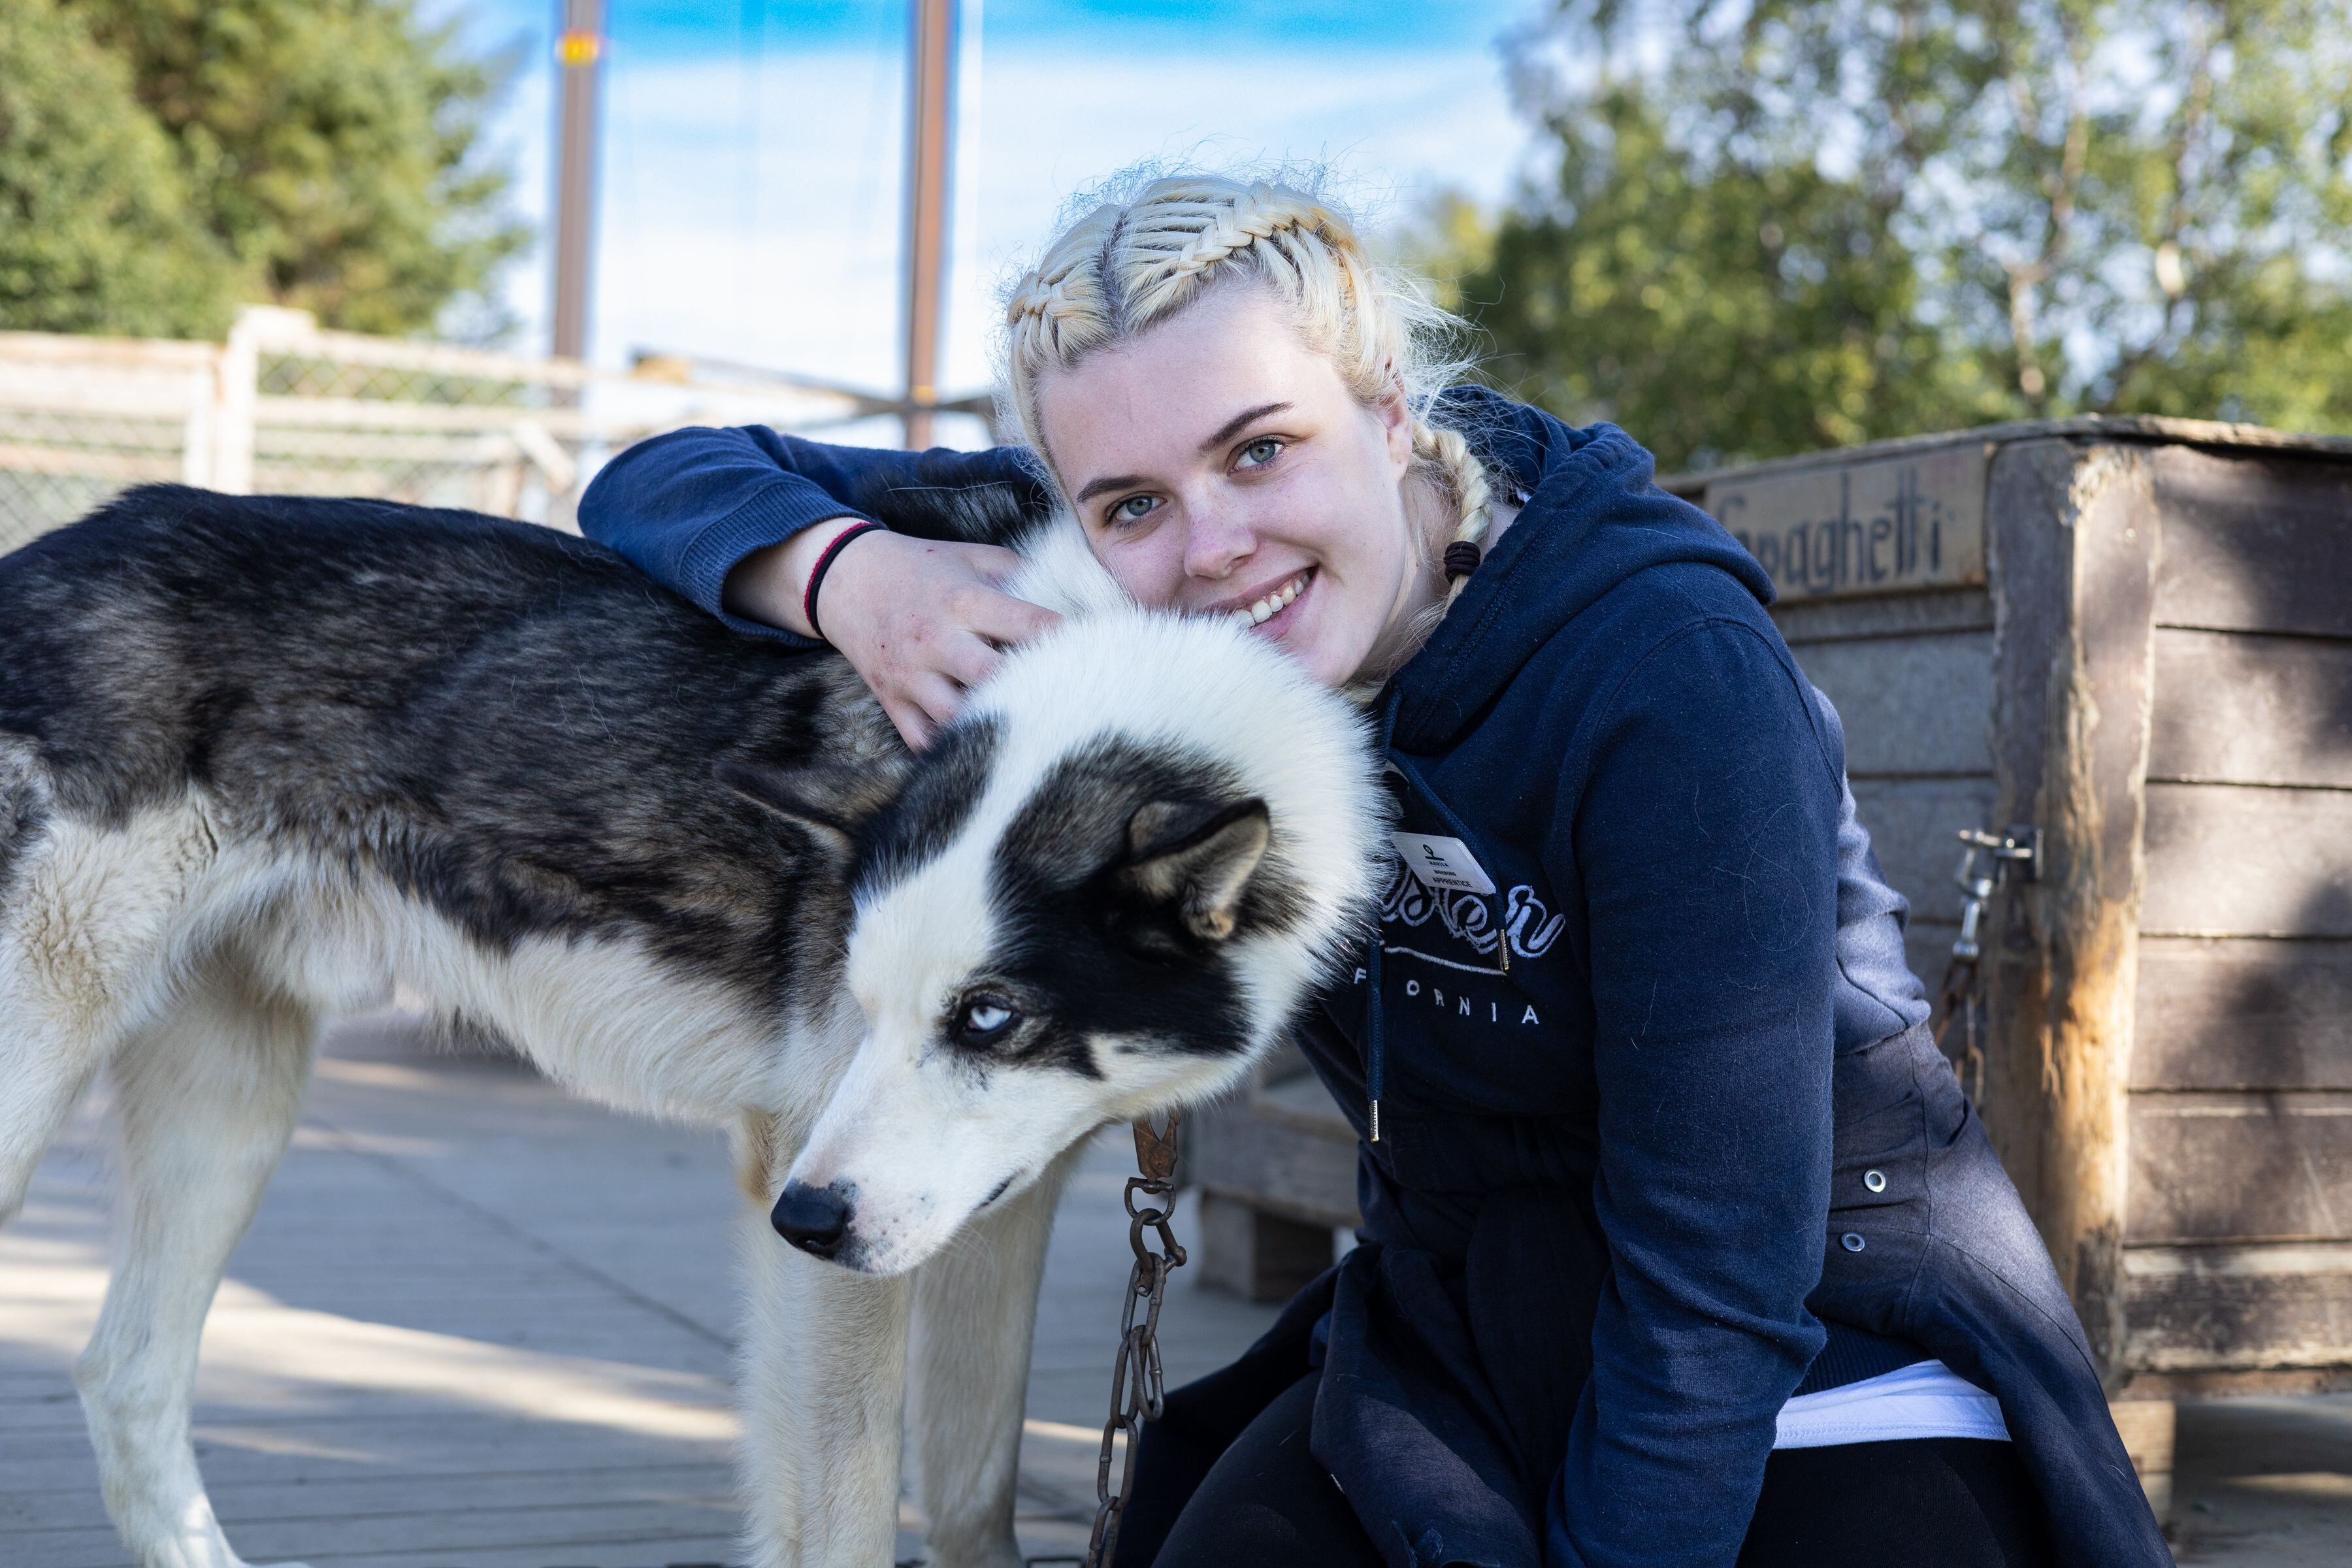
{"x":263,"y":759}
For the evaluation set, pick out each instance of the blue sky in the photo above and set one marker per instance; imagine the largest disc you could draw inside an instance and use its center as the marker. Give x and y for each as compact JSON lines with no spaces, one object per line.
{"x":753,"y":148}
{"x":674,"y":28}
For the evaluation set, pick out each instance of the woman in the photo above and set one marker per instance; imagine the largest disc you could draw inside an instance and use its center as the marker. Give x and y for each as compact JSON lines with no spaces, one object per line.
{"x":1680,"y":1246}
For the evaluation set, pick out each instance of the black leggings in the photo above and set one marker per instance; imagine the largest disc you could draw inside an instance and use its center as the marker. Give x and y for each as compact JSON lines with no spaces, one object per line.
{"x":1932,"y":1502}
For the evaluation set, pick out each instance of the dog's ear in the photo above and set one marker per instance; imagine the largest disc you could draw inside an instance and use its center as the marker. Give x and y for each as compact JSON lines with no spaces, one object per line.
{"x":1193,"y":857}
{"x":831,"y":801}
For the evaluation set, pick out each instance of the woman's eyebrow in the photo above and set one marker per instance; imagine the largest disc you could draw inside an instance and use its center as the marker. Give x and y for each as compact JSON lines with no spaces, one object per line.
{"x":1114,"y":482}
{"x":1234,"y":427}
{"x":1225,"y":433}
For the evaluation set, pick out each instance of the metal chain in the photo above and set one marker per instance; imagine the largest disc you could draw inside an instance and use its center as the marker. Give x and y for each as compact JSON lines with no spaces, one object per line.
{"x":1958,"y":999}
{"x":2020,"y":850}
{"x":1137,"y":1390}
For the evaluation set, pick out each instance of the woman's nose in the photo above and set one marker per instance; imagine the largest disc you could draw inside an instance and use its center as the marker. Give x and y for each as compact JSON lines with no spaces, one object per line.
{"x":1216,"y":543}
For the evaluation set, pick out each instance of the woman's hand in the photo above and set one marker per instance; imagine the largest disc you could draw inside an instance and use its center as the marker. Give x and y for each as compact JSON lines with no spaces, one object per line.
{"x":920,"y":621}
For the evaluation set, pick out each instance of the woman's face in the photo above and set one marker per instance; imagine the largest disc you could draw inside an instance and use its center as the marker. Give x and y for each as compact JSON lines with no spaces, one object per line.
{"x":1220,"y":465}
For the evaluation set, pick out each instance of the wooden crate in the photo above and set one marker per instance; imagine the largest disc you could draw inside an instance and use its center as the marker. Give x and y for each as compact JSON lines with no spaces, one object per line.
{"x":1276,"y":1170}
{"x":2136,"y":634}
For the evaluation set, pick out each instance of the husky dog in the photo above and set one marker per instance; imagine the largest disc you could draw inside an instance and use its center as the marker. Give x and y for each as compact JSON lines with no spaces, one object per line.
{"x":263,"y":759}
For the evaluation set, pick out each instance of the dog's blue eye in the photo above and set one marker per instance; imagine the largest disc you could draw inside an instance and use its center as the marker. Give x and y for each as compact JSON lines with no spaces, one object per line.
{"x":982,"y":1020}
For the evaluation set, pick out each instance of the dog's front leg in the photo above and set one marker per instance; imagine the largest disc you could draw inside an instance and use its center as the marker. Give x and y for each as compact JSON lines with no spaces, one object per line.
{"x":975,"y":1314}
{"x":823,"y":1392}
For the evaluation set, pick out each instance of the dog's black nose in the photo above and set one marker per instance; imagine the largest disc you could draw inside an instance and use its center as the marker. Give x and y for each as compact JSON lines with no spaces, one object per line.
{"x":814,"y":1219}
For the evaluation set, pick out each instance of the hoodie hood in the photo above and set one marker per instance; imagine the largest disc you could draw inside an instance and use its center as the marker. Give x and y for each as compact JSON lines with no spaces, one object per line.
{"x":1592,"y":518}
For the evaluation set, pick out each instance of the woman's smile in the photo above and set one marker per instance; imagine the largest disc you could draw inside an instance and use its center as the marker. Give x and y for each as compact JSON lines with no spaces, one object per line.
{"x":1271,"y":609}
{"x":1277,"y":495}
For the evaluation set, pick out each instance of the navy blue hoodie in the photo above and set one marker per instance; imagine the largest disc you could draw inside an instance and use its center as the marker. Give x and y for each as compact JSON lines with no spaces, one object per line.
{"x":1637,"y":1108}
{"x":1607,"y":1213}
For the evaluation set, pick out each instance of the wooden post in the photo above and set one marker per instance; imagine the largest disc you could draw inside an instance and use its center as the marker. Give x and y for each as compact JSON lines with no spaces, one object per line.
{"x":2073,"y":541}
{"x":197,"y":441}
{"x":236,"y":387}
{"x":579,"y":60}
{"x":237,"y":376}
{"x":930,"y":95}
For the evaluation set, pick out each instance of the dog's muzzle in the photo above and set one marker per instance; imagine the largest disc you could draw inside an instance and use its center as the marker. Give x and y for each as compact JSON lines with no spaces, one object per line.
{"x":814,"y":1219}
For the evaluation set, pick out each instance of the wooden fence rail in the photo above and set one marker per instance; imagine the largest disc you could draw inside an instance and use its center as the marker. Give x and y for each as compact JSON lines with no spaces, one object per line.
{"x":283,"y":406}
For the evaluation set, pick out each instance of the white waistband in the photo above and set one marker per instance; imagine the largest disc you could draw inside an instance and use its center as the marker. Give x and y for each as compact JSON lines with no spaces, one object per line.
{"x":1927,"y":1399}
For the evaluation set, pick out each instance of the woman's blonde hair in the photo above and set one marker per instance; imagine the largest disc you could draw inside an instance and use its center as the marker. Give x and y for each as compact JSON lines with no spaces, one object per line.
{"x":1148,"y":246}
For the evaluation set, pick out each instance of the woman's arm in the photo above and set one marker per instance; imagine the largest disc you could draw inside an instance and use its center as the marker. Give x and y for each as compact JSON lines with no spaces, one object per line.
{"x":1705,"y":841}
{"x":736,"y":520}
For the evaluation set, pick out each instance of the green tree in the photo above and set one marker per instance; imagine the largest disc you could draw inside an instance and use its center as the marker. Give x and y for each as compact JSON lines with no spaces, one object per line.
{"x":97,"y":232}
{"x":1784,"y":224}
{"x":332,"y":145}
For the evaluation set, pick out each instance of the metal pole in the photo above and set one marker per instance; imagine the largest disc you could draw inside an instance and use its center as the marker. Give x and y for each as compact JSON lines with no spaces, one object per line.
{"x":930,"y":94}
{"x":579,"y":63}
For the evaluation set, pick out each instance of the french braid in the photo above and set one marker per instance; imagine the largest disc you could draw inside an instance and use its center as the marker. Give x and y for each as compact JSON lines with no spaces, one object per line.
{"x":1461,"y":478}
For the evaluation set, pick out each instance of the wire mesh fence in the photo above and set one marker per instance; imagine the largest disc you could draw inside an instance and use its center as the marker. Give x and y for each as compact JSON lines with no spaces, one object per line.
{"x":283,"y":408}
{"x":81,"y":419}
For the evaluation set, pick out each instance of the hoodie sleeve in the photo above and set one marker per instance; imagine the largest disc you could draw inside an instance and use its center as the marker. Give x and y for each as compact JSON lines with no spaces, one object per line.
{"x":687,"y":507}
{"x":1706,"y":840}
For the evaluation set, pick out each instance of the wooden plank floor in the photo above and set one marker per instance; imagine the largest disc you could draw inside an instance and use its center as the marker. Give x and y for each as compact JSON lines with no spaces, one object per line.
{"x":479,"y":1324}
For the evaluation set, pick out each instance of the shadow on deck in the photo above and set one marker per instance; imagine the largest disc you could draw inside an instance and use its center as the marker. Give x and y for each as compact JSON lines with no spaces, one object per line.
{"x":479,"y":1324}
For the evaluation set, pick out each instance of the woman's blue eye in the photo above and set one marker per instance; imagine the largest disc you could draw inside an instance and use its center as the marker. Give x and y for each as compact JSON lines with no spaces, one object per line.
{"x":1133,"y":507}
{"x":1260,"y":452}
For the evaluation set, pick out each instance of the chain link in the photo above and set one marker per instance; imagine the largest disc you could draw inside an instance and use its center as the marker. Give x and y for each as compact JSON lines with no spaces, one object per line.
{"x":1136,"y":1386}
{"x":1957,"y":1000}
{"x":2019,"y":850}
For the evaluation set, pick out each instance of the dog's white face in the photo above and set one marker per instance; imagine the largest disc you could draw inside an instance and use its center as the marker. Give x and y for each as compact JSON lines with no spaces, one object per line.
{"x":1101,"y":895}
{"x":1027,"y":985}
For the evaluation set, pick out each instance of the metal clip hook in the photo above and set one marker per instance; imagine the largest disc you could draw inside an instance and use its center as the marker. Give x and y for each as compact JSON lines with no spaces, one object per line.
{"x":2020,"y":848}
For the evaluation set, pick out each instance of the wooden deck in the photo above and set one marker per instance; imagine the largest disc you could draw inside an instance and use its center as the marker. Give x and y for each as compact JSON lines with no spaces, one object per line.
{"x":481,"y":1325}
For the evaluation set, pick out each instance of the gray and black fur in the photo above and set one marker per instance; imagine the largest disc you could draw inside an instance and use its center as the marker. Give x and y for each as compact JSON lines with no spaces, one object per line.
{"x":262,"y":758}
{"x":509,"y":723}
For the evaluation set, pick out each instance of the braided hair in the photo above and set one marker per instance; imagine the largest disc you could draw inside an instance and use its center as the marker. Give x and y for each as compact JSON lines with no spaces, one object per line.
{"x":1130,"y":262}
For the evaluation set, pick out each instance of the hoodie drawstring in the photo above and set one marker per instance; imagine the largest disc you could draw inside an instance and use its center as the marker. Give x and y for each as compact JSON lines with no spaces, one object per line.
{"x":1375,"y":1058}
{"x":1375,"y":1044}
{"x":1375,"y":1034}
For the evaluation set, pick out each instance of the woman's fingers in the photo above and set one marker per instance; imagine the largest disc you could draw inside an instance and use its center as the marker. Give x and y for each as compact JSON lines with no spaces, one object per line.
{"x":938,"y":697}
{"x":993,"y":562}
{"x":923,"y":621}
{"x":992,"y":613}
{"x":909,"y":722}
{"x":924,"y":698}
{"x":1006,"y":621}
{"x":968,"y":659}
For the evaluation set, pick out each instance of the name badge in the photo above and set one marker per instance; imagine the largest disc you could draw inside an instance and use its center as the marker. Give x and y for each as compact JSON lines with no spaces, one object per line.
{"x":1444,"y":864}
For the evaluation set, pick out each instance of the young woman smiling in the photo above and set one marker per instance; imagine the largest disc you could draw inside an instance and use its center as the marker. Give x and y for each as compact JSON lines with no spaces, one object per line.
{"x":1680,"y":1244}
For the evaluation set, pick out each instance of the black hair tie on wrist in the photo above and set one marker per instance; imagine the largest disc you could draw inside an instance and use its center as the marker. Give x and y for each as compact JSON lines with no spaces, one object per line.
{"x":825,"y":564}
{"x":1462,"y":558}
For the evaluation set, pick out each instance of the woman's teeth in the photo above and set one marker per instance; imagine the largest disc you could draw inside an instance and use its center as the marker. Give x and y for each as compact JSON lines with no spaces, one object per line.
{"x":1273,"y":605}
